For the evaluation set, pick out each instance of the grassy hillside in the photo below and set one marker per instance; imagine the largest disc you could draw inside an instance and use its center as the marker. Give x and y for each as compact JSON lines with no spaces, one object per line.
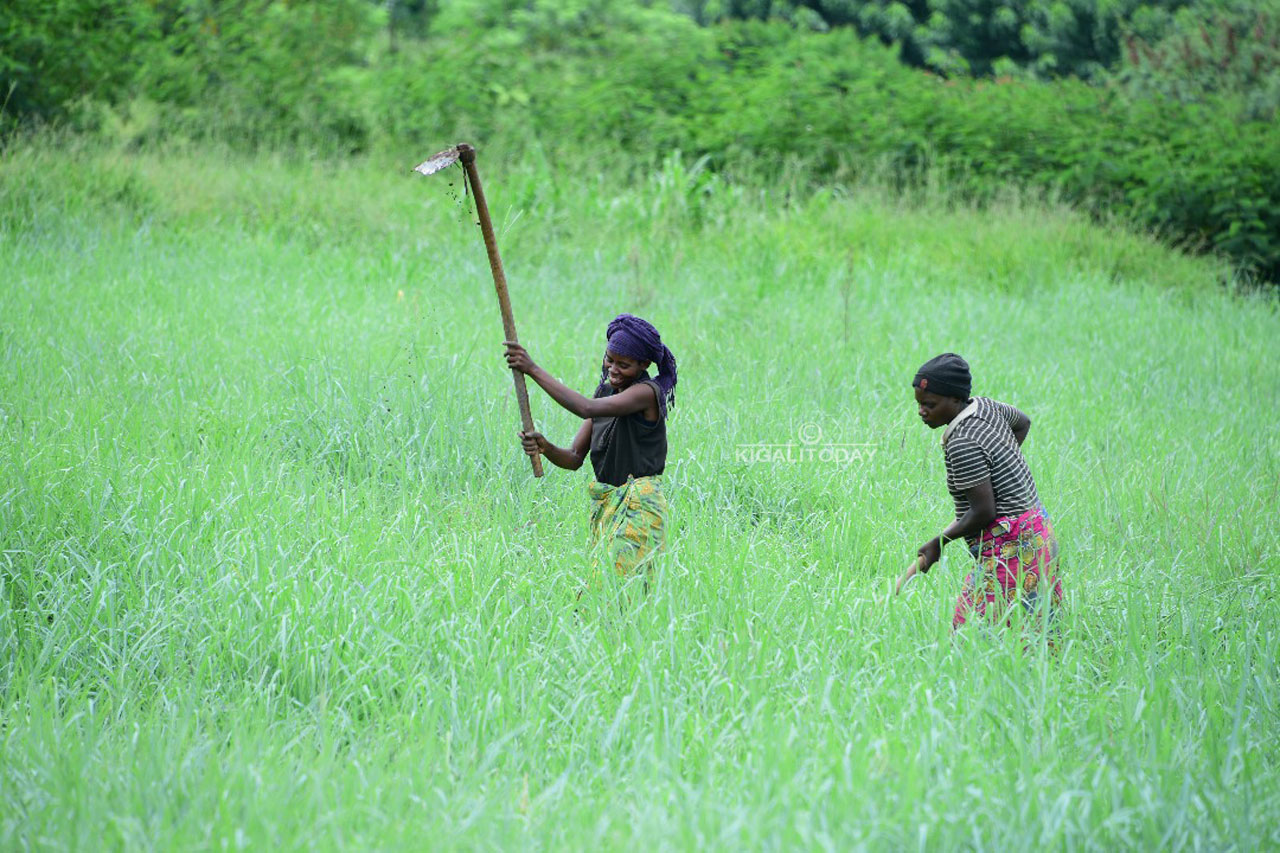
{"x":273,"y":572}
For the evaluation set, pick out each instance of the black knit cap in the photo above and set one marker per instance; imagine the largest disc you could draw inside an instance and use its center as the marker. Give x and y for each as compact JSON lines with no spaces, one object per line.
{"x":946,"y":375}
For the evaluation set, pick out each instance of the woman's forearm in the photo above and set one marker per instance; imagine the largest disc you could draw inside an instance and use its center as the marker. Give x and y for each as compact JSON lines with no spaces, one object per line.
{"x":562,"y":457}
{"x":562,"y":394}
{"x":969,"y":524}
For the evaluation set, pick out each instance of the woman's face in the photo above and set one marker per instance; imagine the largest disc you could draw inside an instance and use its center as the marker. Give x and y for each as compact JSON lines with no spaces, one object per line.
{"x":936,"y":410}
{"x":621,"y":370}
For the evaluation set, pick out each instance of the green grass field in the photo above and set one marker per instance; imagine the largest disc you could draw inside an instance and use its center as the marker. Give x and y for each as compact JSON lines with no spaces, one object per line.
{"x":275,"y":574}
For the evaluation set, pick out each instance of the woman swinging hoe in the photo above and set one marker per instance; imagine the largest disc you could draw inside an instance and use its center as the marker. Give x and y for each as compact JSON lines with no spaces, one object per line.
{"x":625,"y":431}
{"x":998,"y":511}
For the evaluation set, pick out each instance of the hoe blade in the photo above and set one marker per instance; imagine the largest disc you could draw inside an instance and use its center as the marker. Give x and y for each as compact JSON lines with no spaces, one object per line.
{"x":438,"y":162}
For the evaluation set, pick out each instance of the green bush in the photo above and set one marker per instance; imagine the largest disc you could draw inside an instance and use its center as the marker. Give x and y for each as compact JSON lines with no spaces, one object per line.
{"x":254,"y":68}
{"x":54,"y":53}
{"x":1210,"y":53}
{"x":763,"y":94}
{"x":1047,"y":38}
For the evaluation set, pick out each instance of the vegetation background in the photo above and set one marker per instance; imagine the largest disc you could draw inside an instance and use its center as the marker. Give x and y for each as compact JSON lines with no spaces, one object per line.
{"x":272,"y":569}
{"x":1162,"y":114}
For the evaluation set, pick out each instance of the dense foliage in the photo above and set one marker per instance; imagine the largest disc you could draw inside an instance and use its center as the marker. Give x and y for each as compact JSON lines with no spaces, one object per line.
{"x":1180,"y":139}
{"x":1083,"y":37}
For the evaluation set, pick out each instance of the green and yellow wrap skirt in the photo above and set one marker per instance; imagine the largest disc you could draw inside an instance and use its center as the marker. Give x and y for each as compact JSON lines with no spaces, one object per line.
{"x":627,"y":527}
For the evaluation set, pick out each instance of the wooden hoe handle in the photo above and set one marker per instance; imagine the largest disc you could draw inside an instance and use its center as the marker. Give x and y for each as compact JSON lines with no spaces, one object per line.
{"x":467,"y":155}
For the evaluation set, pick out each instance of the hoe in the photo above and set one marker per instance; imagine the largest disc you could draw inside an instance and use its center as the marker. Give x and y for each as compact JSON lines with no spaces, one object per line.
{"x":466,"y":154}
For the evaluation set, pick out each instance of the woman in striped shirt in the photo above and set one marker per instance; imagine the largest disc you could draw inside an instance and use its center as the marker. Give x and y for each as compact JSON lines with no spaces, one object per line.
{"x":998,"y":512}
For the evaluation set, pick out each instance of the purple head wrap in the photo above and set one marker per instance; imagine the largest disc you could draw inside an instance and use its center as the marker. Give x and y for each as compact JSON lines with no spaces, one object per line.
{"x":632,"y":337}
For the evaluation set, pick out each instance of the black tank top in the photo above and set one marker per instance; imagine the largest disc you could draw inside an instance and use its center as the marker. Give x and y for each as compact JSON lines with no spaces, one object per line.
{"x":628,"y":445}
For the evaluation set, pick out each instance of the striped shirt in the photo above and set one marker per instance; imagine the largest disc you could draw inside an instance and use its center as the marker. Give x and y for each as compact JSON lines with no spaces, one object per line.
{"x":979,"y":445}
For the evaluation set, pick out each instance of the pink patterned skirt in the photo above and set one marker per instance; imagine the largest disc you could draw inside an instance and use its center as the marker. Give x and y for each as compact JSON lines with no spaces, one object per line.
{"x":1016,"y":559}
